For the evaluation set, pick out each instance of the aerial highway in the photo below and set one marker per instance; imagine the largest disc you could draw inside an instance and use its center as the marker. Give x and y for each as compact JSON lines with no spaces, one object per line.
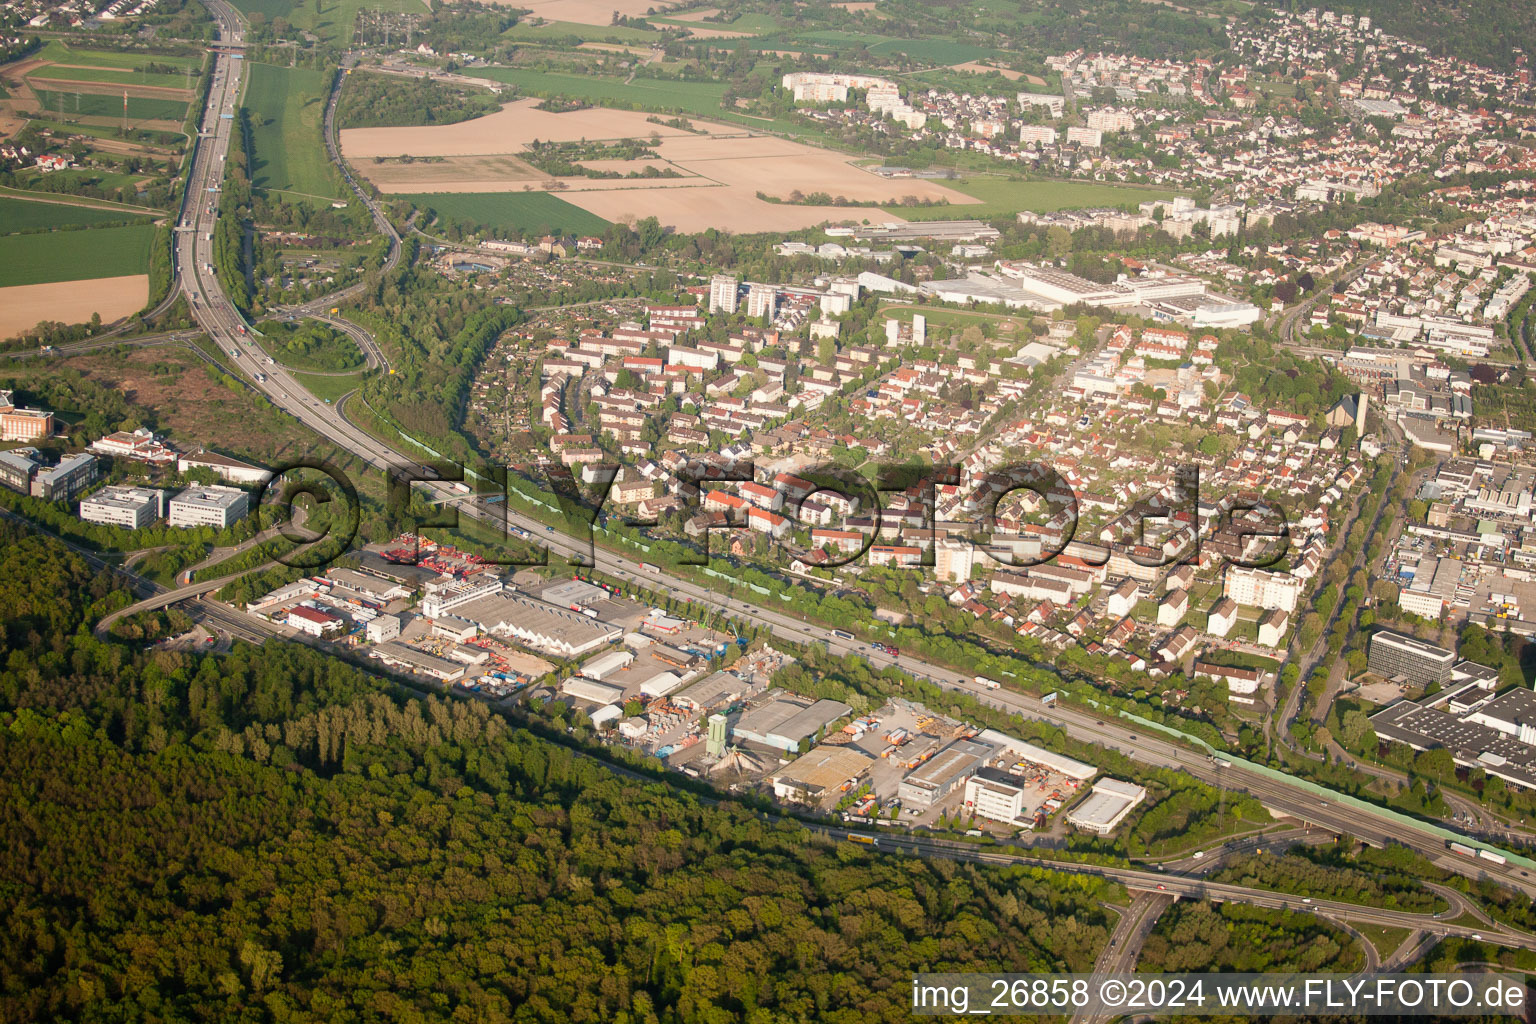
{"x":225,"y":325}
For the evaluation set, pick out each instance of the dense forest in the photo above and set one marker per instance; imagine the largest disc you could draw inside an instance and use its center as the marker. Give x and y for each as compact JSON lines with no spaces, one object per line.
{"x":311,"y":345}
{"x":389,"y":101}
{"x":274,"y":835}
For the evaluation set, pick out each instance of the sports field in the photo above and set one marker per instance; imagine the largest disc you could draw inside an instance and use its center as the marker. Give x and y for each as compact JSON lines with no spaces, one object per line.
{"x":1001,"y":197}
{"x":514,"y":211}
{"x":18,"y":215}
{"x":140,"y":108}
{"x":51,"y":256}
{"x":287,"y":106}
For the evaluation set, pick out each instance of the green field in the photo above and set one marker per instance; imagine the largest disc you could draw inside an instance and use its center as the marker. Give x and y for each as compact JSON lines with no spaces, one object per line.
{"x":74,"y":255}
{"x":1001,"y":197}
{"x":114,"y":76}
{"x":513,"y":211}
{"x":63,"y":53}
{"x":286,"y":107}
{"x":702,"y":98}
{"x":331,"y":20}
{"x":556,"y":30}
{"x":27,"y":215}
{"x":750,"y":22}
{"x":97,"y":105}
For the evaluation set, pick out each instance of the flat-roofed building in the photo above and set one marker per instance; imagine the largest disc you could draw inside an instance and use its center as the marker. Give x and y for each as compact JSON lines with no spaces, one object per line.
{"x":1397,"y":655}
{"x":936,"y":778}
{"x":590,"y":689}
{"x":444,"y":595}
{"x":381,"y":628}
{"x":17,"y":467}
{"x":233,"y":470}
{"x":543,"y":626}
{"x":1108,"y":803}
{"x":996,"y":795}
{"x":1259,"y":588}
{"x":398,"y":655}
{"x":366,"y":585}
{"x":68,"y":479}
{"x":786,"y":722}
{"x":130,"y":507}
{"x":210,"y":505}
{"x":20,"y":424}
{"x":815,"y":776}
{"x":713,"y":691}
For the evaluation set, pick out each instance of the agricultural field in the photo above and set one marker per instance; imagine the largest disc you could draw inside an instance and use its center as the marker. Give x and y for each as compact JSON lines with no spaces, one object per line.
{"x":286,"y":108}
{"x":586,"y":12}
{"x":110,"y":104}
{"x":19,"y":215}
{"x":721,"y":169}
{"x":46,"y":257}
{"x":1001,"y":197}
{"x":23,"y":307}
{"x":526,"y":212}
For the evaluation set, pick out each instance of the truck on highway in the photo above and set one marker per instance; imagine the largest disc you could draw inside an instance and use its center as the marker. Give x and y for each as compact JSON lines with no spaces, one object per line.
{"x":1489,"y":855}
{"x":991,"y":684}
{"x":842,"y":634}
{"x":1462,"y":849}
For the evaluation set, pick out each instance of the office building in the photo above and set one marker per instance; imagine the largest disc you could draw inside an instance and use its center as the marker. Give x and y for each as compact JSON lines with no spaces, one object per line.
{"x":382,"y":628}
{"x":130,"y":507}
{"x":211,"y":505}
{"x":1399,"y":656}
{"x":17,"y":467}
{"x":68,"y":479}
{"x":18,"y":424}
{"x":996,"y":795}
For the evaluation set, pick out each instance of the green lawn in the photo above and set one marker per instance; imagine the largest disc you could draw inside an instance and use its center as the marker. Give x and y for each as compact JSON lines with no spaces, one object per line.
{"x":63,"y":53}
{"x":1002,"y":196}
{"x":513,"y":211}
{"x":74,"y":255}
{"x":114,"y":76}
{"x":98,"y":105}
{"x":324,"y":386}
{"x":25,"y":215}
{"x":287,"y":106}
